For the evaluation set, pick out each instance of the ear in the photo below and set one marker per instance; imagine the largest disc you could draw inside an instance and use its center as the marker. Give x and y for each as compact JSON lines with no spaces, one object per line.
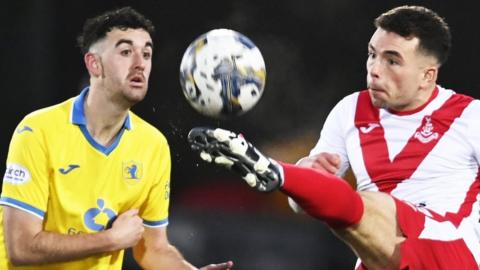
{"x":430,"y":75}
{"x":93,"y":64}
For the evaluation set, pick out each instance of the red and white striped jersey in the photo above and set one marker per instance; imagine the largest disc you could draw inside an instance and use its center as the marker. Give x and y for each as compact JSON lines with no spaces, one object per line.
{"x":428,"y":157}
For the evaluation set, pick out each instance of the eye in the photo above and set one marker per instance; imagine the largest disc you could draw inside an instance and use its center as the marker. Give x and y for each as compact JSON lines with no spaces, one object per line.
{"x":126,"y":52}
{"x":371,"y":54}
{"x":392,"y":62}
{"x":147,"y":55}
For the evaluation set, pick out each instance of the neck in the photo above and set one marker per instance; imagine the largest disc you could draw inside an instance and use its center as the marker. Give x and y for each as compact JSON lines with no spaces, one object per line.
{"x":426,"y":95}
{"x":104,"y":118}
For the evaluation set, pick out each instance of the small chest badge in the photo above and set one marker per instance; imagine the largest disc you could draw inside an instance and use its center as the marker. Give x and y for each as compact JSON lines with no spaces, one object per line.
{"x":132,"y":170}
{"x":426,"y":133}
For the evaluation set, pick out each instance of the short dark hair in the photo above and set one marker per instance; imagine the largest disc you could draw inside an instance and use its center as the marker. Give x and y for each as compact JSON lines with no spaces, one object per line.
{"x":97,"y":27}
{"x":423,"y":23}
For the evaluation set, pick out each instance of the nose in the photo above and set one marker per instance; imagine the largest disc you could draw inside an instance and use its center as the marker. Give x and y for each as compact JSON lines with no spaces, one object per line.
{"x":138,"y":61}
{"x":373,"y":68}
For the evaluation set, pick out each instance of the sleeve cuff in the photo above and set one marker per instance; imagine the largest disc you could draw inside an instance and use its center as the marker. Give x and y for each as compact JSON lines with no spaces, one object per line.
{"x":22,"y":206}
{"x":155,"y":224}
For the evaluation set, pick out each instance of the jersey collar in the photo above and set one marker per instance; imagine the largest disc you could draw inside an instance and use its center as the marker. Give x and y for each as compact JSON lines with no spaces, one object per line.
{"x":78,"y":112}
{"x":432,"y":97}
{"x":78,"y":118}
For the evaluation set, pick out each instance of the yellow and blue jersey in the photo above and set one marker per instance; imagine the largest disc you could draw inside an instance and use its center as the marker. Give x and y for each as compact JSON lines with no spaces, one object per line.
{"x":57,"y":172}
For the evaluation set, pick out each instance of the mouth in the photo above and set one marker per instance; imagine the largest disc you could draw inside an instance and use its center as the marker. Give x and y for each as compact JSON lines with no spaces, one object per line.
{"x":137,"y":80}
{"x":376,"y":89}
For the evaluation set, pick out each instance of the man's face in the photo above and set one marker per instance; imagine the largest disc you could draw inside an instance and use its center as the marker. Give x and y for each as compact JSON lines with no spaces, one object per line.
{"x":395,"y":70}
{"x":126,"y":59}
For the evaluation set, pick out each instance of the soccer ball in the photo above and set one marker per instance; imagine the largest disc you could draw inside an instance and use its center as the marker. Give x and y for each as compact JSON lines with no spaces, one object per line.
{"x":222,"y":74}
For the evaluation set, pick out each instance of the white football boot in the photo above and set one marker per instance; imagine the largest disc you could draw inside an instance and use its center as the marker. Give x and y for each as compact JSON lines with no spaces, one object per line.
{"x":230,"y":150}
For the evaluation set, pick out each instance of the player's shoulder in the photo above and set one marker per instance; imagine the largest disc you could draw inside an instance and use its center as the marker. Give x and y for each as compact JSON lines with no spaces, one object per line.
{"x":350,"y":99}
{"x":470,"y":107}
{"x":49,"y":116}
{"x":450,"y":93}
{"x":473,"y":110}
{"x":347,"y":104}
{"x":145,"y":129}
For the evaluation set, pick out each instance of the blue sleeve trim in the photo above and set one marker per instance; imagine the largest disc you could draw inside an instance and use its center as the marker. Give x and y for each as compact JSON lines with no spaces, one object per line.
{"x":160,"y":223}
{"x":22,"y":206}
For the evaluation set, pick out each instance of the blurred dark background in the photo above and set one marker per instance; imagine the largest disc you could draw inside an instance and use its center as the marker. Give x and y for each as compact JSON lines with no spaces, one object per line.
{"x":315,"y":53}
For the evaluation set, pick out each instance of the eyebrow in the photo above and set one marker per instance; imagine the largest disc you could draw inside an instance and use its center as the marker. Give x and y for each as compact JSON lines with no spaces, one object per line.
{"x":388,"y":52}
{"x":129,"y":42}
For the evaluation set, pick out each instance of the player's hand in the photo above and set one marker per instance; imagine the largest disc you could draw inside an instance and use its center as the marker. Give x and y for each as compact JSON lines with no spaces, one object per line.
{"x":325,"y":162}
{"x":219,"y":266}
{"x":328,"y":162}
{"x":127,"y":229}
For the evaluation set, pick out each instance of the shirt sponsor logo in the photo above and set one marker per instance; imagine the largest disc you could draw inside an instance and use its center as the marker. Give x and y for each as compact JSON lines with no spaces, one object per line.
{"x":167,"y":191}
{"x":99,"y":218}
{"x":16,"y":174}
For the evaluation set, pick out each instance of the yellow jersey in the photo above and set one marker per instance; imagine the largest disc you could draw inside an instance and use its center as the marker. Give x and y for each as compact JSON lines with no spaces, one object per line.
{"x":57,"y":172}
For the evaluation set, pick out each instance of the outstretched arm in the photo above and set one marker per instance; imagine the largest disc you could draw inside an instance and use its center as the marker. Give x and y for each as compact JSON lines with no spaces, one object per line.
{"x":155,"y":252}
{"x":28,"y":244}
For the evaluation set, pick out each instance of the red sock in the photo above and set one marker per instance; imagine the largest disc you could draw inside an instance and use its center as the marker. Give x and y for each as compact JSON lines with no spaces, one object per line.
{"x":323,"y":195}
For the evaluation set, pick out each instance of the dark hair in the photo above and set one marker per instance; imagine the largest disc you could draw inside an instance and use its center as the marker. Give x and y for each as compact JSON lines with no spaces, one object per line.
{"x":415,"y":21}
{"x":97,"y":27}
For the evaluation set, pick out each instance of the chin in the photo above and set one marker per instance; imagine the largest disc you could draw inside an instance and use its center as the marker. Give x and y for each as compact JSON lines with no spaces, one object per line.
{"x":135,"y":99}
{"x":379,"y":103}
{"x":136,"y":95}
{"x":377,"y":100}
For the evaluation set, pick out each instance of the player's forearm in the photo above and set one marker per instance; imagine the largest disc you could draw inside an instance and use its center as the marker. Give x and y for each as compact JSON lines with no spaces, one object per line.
{"x":50,"y":247}
{"x":164,"y":258}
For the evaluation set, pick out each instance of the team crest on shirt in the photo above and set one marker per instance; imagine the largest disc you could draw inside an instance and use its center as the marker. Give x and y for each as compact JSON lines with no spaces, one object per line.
{"x":132,"y":171}
{"x":426,"y":134}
